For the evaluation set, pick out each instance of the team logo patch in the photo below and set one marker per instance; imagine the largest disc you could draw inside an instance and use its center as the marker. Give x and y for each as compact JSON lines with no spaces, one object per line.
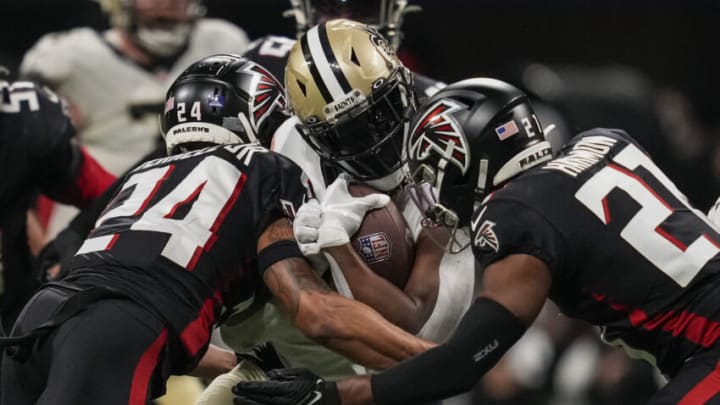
{"x":375,"y":247}
{"x":216,"y":100}
{"x":268,"y":95}
{"x":437,"y":130}
{"x":485,"y":236}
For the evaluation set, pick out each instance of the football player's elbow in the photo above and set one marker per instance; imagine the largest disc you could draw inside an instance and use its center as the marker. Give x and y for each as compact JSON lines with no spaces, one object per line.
{"x":317,"y":320}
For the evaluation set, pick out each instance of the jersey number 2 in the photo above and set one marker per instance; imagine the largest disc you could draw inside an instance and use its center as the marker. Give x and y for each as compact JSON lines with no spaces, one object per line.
{"x":644,"y":232}
{"x":211,"y":187}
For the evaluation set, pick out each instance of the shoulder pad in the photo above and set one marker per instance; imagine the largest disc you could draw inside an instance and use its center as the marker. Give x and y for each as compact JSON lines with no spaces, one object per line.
{"x":212,"y":36}
{"x":53,"y":56}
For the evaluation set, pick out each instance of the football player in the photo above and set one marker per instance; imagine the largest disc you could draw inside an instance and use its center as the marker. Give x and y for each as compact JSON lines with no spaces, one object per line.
{"x":204,"y":229}
{"x":115,"y":80}
{"x":600,"y":230}
{"x":38,"y":155}
{"x":363,"y":140}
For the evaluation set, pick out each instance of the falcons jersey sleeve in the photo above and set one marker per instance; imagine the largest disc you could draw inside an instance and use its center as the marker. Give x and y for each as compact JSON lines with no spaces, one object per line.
{"x":507,"y":226}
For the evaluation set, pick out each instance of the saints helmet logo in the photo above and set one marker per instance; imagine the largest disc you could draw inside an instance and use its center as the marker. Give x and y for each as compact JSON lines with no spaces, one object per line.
{"x":268,"y":94}
{"x":438,"y":131}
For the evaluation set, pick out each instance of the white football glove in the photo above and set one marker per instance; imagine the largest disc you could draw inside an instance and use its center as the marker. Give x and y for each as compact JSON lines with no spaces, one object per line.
{"x":332,"y":221}
{"x":306,"y":227}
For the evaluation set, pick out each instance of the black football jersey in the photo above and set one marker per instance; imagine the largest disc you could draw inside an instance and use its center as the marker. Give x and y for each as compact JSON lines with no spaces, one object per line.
{"x":180,"y":236}
{"x":271,"y":52}
{"x":36,"y":154}
{"x":625,"y":249}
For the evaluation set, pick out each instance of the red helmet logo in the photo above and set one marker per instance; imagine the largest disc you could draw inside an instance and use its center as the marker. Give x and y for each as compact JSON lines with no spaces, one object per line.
{"x":438,"y":131}
{"x":268,"y":94}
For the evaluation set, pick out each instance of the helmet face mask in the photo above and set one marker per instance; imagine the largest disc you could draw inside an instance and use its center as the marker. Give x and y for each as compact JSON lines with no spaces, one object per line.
{"x":222,"y":99}
{"x":367,"y":140}
{"x":467,"y":141}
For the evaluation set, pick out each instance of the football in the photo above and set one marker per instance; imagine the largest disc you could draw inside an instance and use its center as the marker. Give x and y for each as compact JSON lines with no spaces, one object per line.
{"x":384,"y":240}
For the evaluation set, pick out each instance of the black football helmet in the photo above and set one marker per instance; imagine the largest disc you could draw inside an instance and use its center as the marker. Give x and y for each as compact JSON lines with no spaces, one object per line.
{"x":385,"y":15}
{"x":223,"y":99}
{"x":466,"y":141}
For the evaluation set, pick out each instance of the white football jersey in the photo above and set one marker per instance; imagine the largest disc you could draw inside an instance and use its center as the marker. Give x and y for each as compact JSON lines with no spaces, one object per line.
{"x":457,"y":271}
{"x":117,"y":100}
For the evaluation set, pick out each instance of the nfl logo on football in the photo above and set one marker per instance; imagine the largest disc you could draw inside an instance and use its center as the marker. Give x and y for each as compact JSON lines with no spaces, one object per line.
{"x":375,"y":247}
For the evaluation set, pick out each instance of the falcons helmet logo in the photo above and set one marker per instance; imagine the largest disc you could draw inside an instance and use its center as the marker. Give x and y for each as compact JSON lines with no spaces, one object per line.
{"x":268,"y":94}
{"x":437,"y":130}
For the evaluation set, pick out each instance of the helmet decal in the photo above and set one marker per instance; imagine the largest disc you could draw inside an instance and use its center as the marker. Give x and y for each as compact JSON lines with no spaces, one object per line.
{"x":268,"y":94}
{"x":438,"y":130}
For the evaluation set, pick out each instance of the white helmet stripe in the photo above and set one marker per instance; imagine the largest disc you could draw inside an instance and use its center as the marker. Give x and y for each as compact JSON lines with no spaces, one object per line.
{"x":322,"y":64}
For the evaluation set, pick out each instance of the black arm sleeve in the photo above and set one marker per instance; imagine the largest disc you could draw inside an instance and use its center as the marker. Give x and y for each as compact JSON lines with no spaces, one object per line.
{"x":485,"y":333}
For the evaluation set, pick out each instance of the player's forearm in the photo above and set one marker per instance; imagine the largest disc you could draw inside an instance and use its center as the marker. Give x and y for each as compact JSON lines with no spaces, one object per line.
{"x":356,"y":331}
{"x":356,"y":391}
{"x":216,"y":361}
{"x":368,"y":287}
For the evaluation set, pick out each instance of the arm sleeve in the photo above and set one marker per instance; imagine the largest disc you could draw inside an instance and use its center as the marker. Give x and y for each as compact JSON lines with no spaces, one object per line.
{"x":485,"y":333}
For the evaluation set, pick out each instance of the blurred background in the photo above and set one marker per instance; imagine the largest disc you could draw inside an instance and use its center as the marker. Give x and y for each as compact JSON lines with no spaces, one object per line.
{"x":645,"y":66}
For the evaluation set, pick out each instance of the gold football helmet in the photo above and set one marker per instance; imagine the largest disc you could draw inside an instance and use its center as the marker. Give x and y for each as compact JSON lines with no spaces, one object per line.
{"x":353,"y":97}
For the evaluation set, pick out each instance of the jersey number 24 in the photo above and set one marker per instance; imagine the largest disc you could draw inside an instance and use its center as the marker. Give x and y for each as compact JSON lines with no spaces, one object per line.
{"x":212,"y":188}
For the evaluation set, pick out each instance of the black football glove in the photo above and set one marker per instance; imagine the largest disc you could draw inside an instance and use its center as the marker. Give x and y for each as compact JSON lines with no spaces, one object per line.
{"x":295,"y":386}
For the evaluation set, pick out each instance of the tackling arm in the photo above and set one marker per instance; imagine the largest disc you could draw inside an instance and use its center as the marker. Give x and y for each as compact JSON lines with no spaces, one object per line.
{"x":344,"y":325}
{"x":409,"y":308}
{"x":514,"y":291}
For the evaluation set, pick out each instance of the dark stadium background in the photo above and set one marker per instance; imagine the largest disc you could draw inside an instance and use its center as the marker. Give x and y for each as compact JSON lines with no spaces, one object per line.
{"x":608,"y":59}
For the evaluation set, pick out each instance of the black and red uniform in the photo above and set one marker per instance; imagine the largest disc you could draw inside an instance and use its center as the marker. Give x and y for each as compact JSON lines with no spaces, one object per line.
{"x":175,"y":247}
{"x":626,"y":252}
{"x":37,"y":155}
